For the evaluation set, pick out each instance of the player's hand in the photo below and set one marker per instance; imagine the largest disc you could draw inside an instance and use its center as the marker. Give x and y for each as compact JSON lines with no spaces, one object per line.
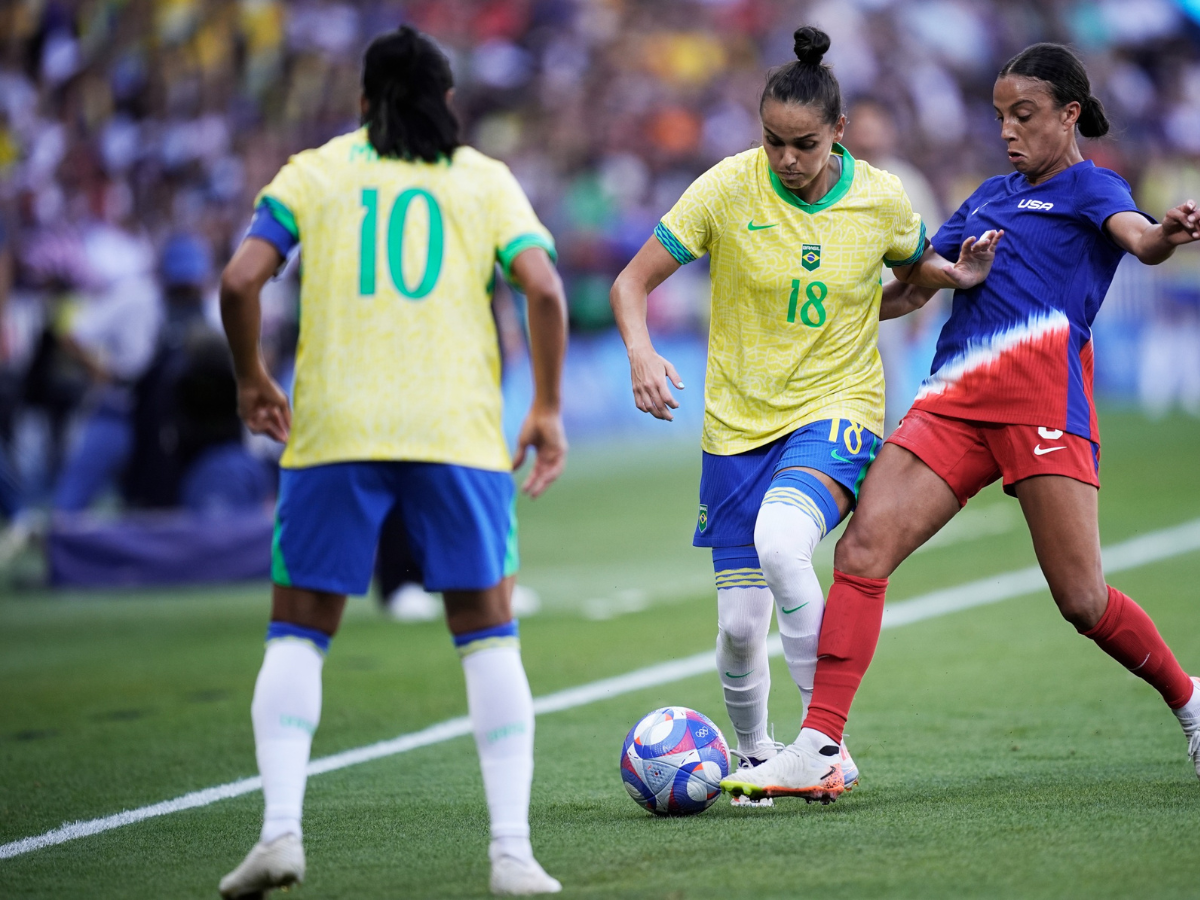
{"x":1181,"y":225}
{"x":974,"y":260}
{"x":649,"y":373}
{"x":263,"y":406}
{"x":542,"y":430}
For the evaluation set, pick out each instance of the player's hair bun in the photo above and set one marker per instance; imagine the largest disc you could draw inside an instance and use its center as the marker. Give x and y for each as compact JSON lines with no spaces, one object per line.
{"x":1093,"y":123}
{"x":810,"y":45}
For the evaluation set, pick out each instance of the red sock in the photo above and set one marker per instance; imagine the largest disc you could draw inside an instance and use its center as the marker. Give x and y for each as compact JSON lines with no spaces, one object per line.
{"x":849,"y":635}
{"x":1128,"y":635}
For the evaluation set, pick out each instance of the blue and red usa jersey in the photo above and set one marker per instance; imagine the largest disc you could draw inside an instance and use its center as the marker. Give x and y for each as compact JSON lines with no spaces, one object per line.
{"x":1017,"y":348}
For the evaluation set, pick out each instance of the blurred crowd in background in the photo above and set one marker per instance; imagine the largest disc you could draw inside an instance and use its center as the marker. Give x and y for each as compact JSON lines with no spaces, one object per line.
{"x":134,"y":135}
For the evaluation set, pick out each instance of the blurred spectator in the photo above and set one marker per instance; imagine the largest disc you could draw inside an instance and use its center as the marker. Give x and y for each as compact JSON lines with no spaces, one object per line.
{"x":134,"y":131}
{"x":904,"y":344}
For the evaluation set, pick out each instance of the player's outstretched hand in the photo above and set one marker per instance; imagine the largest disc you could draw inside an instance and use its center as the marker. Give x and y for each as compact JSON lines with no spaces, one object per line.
{"x":543,"y":431}
{"x":649,"y":373}
{"x":1181,"y":225}
{"x":264,"y":408}
{"x":974,"y":260}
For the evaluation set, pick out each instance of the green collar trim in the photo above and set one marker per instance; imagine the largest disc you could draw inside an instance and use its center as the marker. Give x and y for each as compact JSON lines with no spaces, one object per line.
{"x":838,"y":191}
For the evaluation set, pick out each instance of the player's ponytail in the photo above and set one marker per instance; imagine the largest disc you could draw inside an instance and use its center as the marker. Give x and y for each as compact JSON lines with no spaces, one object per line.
{"x":405,"y":82}
{"x":806,"y":81}
{"x":1064,"y":72}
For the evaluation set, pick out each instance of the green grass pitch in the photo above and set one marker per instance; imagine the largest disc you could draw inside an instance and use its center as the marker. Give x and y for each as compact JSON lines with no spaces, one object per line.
{"x":1002,"y":755}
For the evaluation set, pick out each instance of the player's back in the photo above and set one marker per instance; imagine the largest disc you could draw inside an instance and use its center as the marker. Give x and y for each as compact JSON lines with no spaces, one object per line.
{"x":398,"y":355}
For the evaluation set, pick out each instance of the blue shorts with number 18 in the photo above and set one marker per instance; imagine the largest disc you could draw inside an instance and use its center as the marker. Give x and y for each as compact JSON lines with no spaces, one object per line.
{"x":732,"y":487}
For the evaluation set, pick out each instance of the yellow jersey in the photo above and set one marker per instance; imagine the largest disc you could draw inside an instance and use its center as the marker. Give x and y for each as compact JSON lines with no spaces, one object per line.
{"x":795,"y":294}
{"x":398,"y":357}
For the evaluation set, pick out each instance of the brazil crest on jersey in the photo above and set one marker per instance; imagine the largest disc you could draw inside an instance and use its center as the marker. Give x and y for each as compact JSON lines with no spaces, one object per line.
{"x":1018,"y":347}
{"x":398,"y":357}
{"x":795,"y":294}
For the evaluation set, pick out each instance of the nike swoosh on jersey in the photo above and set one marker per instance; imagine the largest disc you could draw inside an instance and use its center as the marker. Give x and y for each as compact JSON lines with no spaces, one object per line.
{"x":750,"y":226}
{"x":751,"y":672}
{"x":794,"y":608}
{"x":1040,"y":451}
{"x":834,"y":454}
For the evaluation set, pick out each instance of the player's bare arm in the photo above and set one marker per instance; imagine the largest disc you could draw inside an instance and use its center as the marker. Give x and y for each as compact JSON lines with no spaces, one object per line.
{"x":933,"y":270}
{"x":262,"y":404}
{"x":648,"y":371}
{"x":1153,"y":244}
{"x":543,"y":427}
{"x":900,"y":299}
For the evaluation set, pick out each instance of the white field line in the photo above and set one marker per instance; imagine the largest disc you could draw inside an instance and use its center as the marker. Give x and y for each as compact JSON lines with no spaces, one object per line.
{"x":1129,"y":554}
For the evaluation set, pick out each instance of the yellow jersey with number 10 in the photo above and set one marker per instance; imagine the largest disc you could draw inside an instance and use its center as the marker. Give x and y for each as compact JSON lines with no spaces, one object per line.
{"x":398,"y":356}
{"x":795,"y":294}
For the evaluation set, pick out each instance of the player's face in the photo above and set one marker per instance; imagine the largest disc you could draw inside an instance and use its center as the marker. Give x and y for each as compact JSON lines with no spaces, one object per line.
{"x":797,"y":142}
{"x":1038,"y":132}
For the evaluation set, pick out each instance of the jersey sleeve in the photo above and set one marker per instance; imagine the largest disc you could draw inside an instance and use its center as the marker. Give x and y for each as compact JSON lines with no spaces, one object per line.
{"x":908,"y":233}
{"x":1102,"y":193}
{"x":282,"y":202}
{"x":948,"y":240}
{"x":689,"y":229}
{"x":517,"y":227}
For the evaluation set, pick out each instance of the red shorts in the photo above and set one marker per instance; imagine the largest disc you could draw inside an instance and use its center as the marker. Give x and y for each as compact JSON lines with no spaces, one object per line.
{"x":969,"y":456}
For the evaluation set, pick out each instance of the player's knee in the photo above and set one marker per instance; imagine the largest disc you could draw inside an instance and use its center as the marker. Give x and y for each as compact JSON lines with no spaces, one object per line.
{"x":1081,"y":605}
{"x":858,"y":553}
{"x":739,"y":635}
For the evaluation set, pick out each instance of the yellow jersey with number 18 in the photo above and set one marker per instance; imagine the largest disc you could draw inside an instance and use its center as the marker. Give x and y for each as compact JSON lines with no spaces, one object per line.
{"x":398,"y":356}
{"x":795,"y":294}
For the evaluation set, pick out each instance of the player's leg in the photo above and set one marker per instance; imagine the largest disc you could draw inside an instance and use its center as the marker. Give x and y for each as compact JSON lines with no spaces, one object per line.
{"x":327,"y":526}
{"x":903,"y":502}
{"x":743,"y":619}
{"x":1062,"y":514}
{"x":462,"y":525}
{"x":731,"y":491}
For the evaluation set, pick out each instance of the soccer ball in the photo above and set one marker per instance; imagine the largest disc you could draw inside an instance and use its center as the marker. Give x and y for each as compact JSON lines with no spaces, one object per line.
{"x":673,"y":761}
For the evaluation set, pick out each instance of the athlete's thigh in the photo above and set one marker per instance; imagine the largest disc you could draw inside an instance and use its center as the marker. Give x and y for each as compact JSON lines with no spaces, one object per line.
{"x":1063,"y":518}
{"x":838,"y":452}
{"x":461,"y":523}
{"x":903,"y":503}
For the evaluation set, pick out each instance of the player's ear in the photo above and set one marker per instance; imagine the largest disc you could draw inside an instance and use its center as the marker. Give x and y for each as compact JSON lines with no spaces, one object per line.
{"x":839,"y":128}
{"x":1070,"y":114}
{"x":362,"y":104}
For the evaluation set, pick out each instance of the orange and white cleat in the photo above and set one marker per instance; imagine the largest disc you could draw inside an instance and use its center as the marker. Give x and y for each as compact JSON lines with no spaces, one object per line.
{"x":799,"y":770}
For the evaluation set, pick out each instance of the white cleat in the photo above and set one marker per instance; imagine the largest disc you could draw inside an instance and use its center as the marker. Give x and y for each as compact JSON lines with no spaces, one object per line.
{"x":1189,"y":718}
{"x":513,"y":877}
{"x":274,"y":865}
{"x":849,"y":768}
{"x":799,"y":770}
{"x":764,"y":751}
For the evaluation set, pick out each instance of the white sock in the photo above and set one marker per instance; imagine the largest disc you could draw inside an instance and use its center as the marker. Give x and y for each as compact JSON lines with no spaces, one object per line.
{"x":743,"y":618}
{"x":817,"y":740}
{"x":785,"y":537}
{"x":501,"y":708}
{"x":1189,"y":713}
{"x":285,"y":712}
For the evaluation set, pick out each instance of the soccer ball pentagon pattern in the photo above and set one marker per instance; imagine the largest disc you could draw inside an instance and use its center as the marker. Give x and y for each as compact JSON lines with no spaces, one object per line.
{"x":673,"y":761}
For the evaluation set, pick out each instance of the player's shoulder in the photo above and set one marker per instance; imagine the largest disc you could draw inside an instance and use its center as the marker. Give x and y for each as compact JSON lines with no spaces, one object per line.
{"x":871,"y":177}
{"x":469,"y":161}
{"x":733,"y":172}
{"x":1090,"y":176}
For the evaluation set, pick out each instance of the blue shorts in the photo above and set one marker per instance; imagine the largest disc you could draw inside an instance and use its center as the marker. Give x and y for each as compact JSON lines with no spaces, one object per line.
{"x":732,"y":487}
{"x":461,"y":524}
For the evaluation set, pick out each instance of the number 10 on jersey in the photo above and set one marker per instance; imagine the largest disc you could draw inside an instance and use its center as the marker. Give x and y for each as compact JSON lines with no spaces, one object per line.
{"x":812,"y":313}
{"x":396,"y":225}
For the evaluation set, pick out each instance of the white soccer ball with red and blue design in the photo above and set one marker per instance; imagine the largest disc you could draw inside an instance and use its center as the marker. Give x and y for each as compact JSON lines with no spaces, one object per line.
{"x":673,"y":762}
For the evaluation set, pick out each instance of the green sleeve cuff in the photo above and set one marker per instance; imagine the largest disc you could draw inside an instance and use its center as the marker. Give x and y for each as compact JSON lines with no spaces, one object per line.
{"x":673,"y":245}
{"x":519,"y":245}
{"x":891,"y":263}
{"x":283,"y":215}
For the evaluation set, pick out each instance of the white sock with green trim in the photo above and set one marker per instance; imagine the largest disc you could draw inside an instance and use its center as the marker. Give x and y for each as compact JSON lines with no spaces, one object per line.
{"x":743,"y":619}
{"x":786,"y":537}
{"x":285,"y":711}
{"x":501,"y":710}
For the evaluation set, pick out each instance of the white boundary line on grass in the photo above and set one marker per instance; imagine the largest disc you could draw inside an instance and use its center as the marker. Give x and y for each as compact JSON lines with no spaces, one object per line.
{"x":1129,"y":554}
